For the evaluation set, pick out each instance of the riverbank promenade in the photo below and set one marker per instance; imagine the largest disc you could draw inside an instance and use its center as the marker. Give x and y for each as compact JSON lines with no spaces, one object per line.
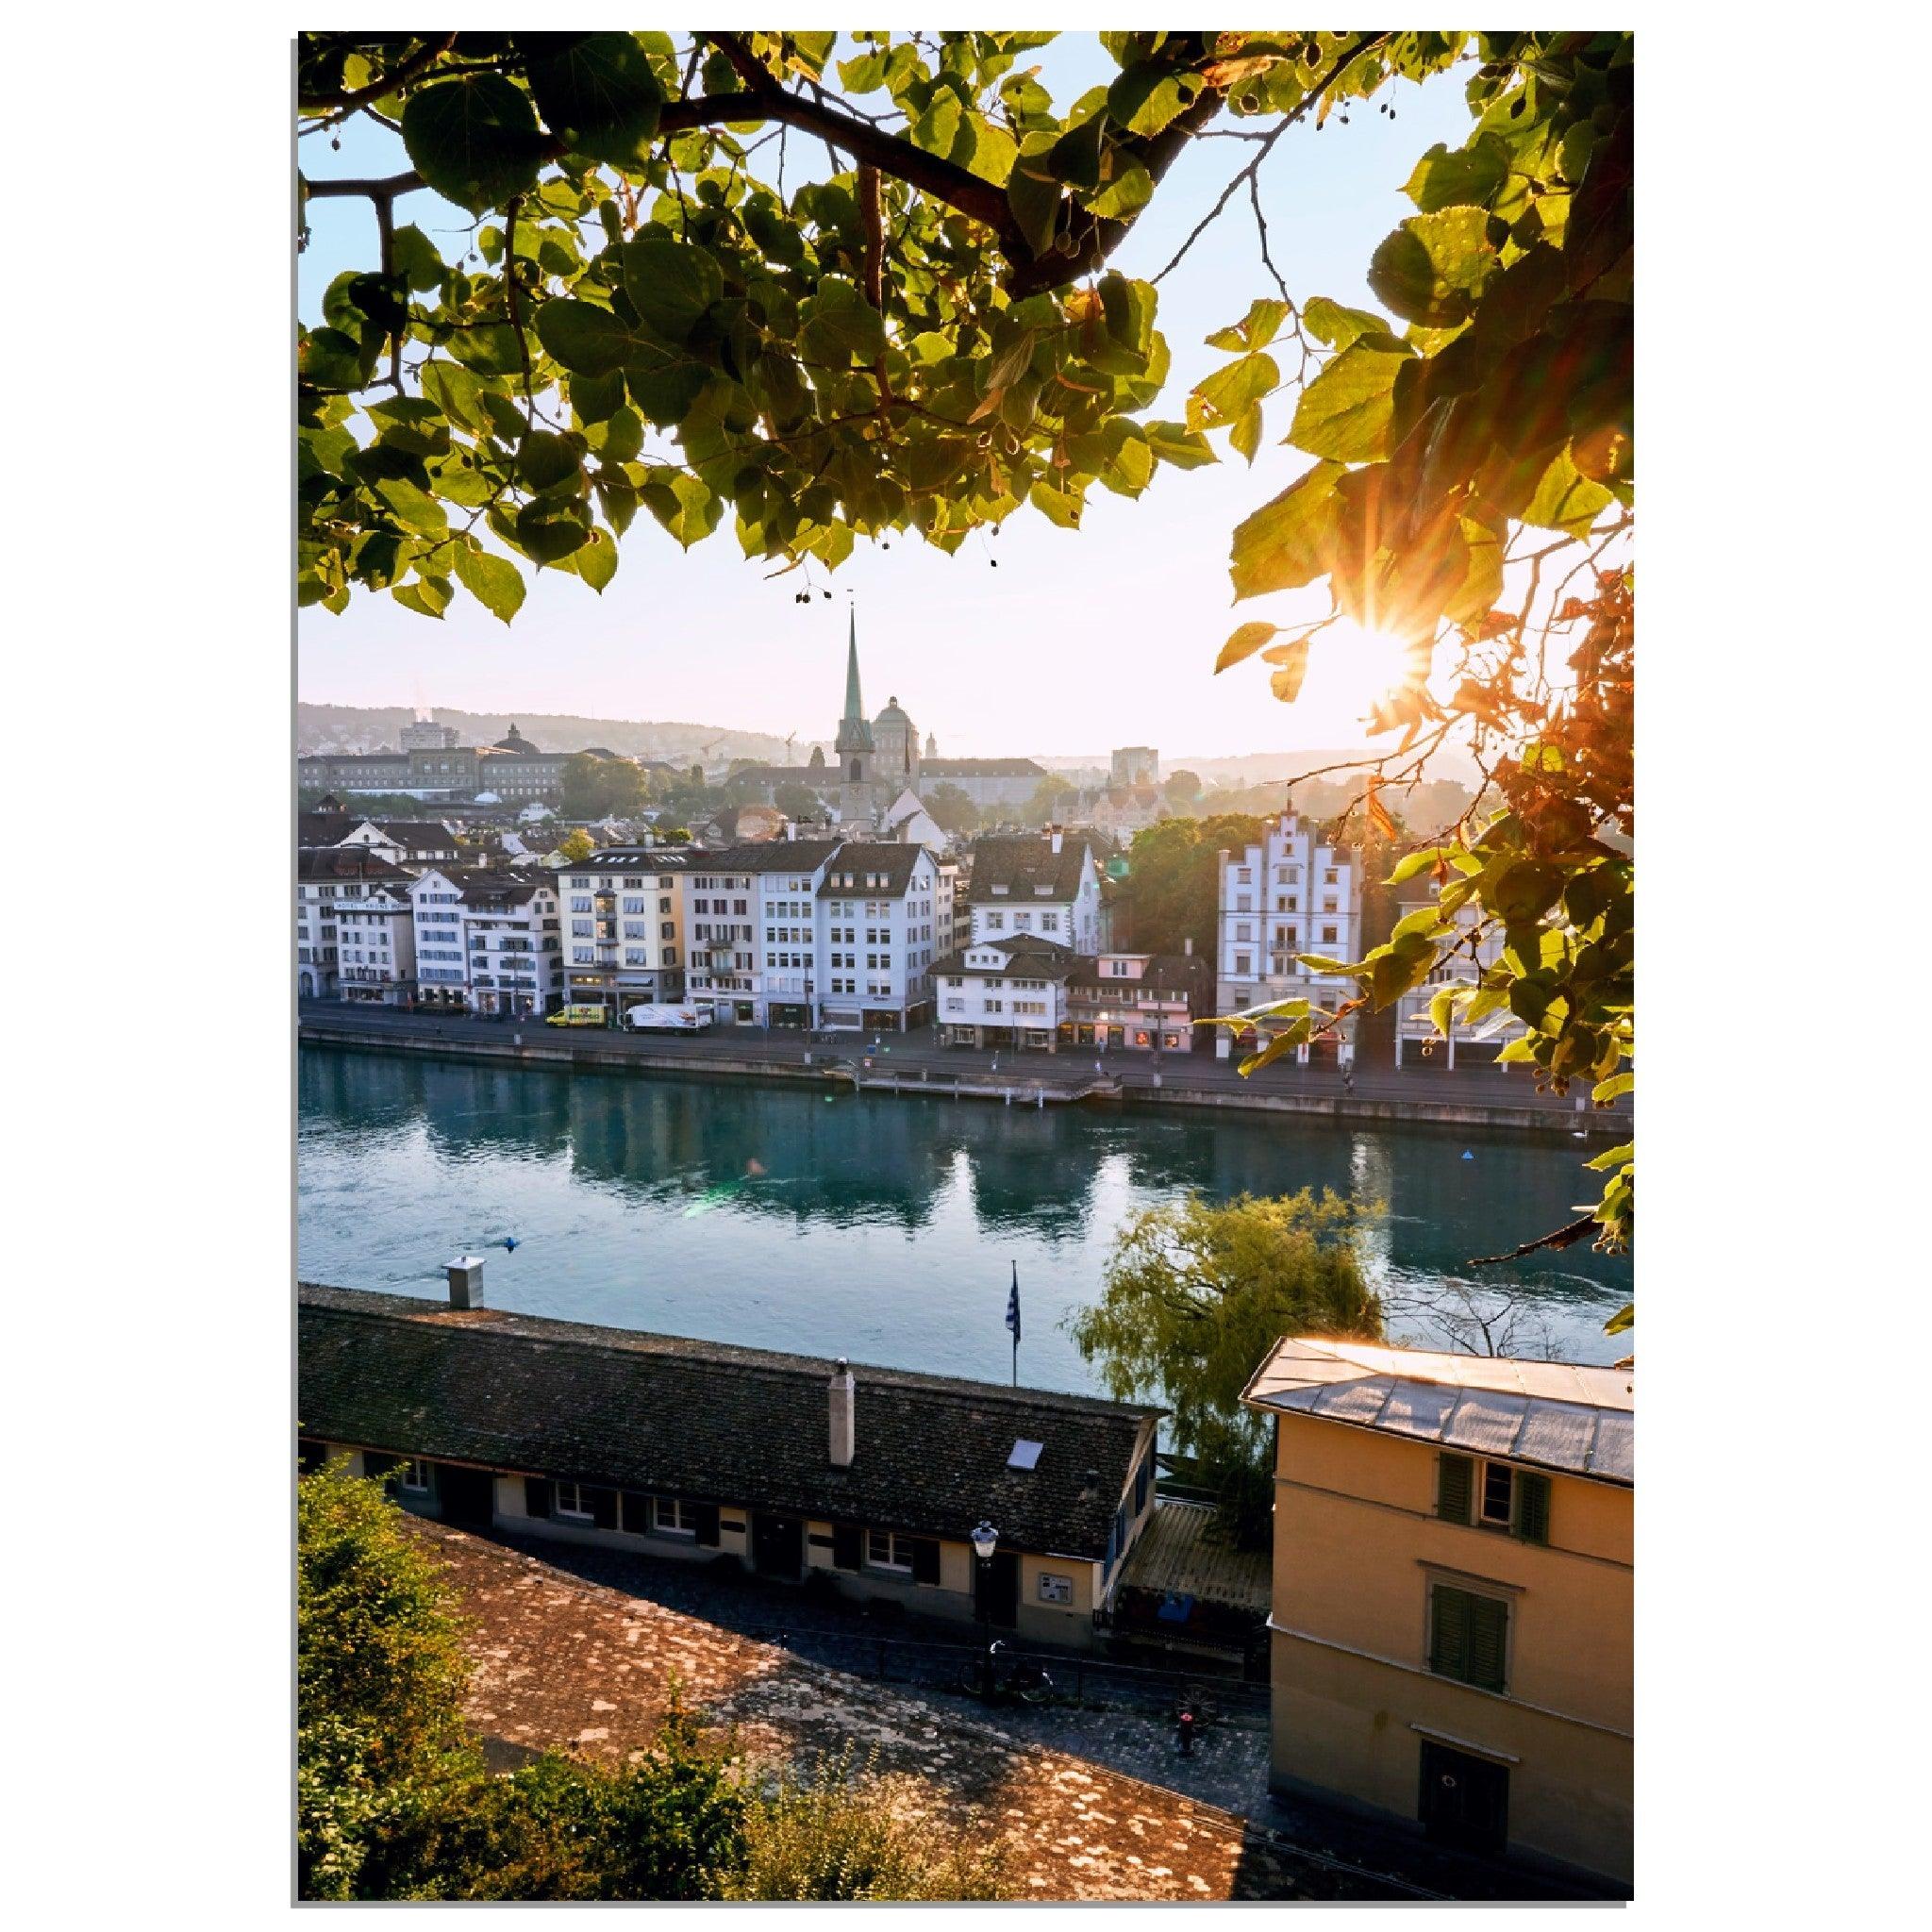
{"x":1466,"y":1096}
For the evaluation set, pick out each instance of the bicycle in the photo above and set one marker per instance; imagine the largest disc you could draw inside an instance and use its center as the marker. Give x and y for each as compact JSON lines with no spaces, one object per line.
{"x":1023,"y":1683}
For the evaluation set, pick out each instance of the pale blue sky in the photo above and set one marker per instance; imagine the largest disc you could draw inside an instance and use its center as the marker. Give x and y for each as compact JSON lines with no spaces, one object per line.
{"x":1079,"y":641}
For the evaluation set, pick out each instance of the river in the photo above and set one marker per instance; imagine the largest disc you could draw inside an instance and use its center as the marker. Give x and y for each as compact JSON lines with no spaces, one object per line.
{"x":879,"y":1227}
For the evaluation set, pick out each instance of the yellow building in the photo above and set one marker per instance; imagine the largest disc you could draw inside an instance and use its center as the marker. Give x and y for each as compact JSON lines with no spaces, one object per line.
{"x":1451,"y":1624}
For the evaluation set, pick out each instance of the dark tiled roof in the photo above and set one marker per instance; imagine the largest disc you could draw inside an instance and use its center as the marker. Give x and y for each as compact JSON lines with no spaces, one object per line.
{"x":707,"y":1421}
{"x":1163,"y":972}
{"x":326,"y":827}
{"x":1024,"y":953}
{"x":859,"y":858}
{"x":417,"y":835}
{"x":980,"y":768}
{"x":346,"y":862}
{"x":1023,"y":864}
{"x":641,"y":857}
{"x":768,"y":855}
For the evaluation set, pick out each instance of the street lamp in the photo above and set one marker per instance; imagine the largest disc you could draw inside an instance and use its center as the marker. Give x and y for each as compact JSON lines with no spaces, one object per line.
{"x":986,"y":1541}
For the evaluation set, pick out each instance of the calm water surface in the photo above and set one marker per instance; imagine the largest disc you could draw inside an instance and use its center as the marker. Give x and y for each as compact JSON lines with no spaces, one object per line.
{"x":872,"y":1226}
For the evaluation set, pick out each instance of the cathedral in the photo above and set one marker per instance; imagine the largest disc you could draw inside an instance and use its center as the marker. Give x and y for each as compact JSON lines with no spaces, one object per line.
{"x":873,"y":760}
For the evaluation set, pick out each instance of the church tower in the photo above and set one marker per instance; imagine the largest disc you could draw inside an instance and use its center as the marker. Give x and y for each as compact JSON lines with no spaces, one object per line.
{"x":853,"y":744}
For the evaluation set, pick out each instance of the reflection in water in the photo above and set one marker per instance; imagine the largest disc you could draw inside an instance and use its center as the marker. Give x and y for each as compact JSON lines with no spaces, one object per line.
{"x":879,"y":1228}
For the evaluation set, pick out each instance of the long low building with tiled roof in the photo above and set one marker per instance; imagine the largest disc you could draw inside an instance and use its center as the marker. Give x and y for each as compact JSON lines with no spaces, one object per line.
{"x":874,"y":1478}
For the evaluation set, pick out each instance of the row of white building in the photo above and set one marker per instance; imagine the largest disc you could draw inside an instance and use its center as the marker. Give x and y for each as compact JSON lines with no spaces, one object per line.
{"x":796,"y":932}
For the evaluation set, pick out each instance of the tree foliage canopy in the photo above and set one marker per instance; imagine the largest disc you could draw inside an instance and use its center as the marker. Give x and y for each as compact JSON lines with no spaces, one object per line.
{"x":1195,"y":1294}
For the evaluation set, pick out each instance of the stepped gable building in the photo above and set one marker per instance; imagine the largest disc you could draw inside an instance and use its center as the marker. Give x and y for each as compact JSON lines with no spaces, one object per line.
{"x":870,"y":1479}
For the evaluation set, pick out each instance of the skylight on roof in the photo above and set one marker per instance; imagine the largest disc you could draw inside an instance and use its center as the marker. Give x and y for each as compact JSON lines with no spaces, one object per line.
{"x":1026,"y":1454}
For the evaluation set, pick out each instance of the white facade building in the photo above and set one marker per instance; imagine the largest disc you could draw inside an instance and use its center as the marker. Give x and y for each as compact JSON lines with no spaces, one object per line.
{"x":1291,"y":893}
{"x":355,"y":937}
{"x":623,"y":920}
{"x":487,"y":941}
{"x":1047,"y":885}
{"x":883,"y":915}
{"x":1004,"y":993}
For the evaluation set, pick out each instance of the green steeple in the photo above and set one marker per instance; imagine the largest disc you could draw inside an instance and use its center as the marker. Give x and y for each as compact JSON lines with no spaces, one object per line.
{"x":854,"y":734}
{"x":855,"y":706}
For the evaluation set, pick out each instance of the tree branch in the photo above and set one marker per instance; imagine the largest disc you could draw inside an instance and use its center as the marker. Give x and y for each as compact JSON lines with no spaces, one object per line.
{"x":338,"y":104}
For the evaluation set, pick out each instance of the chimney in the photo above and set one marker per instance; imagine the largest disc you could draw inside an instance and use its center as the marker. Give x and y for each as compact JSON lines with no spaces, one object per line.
{"x":841,"y":1415}
{"x":1058,"y":838}
{"x":1188,"y":946}
{"x":466,"y":1281}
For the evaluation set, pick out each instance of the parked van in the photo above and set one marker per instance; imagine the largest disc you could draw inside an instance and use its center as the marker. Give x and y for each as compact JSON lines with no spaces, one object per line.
{"x":578,"y":1016}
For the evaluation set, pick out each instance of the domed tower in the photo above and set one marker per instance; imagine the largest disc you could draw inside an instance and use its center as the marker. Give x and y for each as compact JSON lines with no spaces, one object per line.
{"x":853,"y":744}
{"x":896,"y":740}
{"x":515,"y":739}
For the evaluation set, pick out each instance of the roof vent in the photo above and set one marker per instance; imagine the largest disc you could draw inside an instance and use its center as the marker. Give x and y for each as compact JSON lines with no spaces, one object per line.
{"x":1026,"y":1454}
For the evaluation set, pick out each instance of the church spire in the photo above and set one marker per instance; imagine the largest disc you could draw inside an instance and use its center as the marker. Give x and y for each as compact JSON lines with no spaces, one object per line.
{"x":854,"y":706}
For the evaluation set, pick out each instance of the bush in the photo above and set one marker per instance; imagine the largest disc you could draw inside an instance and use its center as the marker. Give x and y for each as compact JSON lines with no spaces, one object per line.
{"x":828,"y":1837}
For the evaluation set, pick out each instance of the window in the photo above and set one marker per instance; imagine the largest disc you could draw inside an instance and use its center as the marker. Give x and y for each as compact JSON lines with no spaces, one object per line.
{"x":413,"y":1478}
{"x":673,"y":1516}
{"x":571,"y":1504}
{"x":886,"y":1551}
{"x":1494,"y":1495}
{"x":1469,"y":1636}
{"x":1499,"y":1486}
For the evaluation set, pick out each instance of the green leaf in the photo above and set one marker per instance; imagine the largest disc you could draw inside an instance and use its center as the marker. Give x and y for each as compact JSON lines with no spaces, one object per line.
{"x":1175,"y":444}
{"x":1432,"y":268}
{"x":1285,"y":543}
{"x":1035,"y":201}
{"x":1129,"y":191}
{"x":1566,"y":499}
{"x":1244,"y":643}
{"x":838,"y":325}
{"x":412,"y":508}
{"x":597,"y":90}
{"x":1613,"y":1089}
{"x":1292,"y":660}
{"x":1448,"y":177}
{"x":937,"y":129}
{"x":1226,"y":396}
{"x":495,"y":582}
{"x":550,"y":528}
{"x":1146,"y":97}
{"x":417,"y":258}
{"x":1612,"y":1157}
{"x":1256,"y":330}
{"x":1247,"y":434}
{"x":1624,"y":1320}
{"x":596,"y":561}
{"x":421,"y":596}
{"x":331,"y":359}
{"x":473,"y":139}
{"x":669,"y":283}
{"x":1285,"y":1042}
{"x":547,"y":461}
{"x":683,"y":504}
{"x":1346,"y":411}
{"x":1429,"y":856}
{"x":1338,"y":327}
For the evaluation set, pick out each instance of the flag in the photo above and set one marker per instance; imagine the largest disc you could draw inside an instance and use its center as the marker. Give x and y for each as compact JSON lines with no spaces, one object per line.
{"x":1013,"y":1303}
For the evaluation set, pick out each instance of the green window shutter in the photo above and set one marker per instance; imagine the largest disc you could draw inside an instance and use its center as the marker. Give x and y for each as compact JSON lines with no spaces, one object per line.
{"x":603,"y":1507}
{"x":635,"y":1512}
{"x":706,"y":1515}
{"x":1489,"y":1637}
{"x":1455,"y":1484}
{"x":1532,"y":1506}
{"x":844,"y":1546}
{"x":1449,"y":1631}
{"x":536,"y":1495}
{"x":925,"y":1561}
